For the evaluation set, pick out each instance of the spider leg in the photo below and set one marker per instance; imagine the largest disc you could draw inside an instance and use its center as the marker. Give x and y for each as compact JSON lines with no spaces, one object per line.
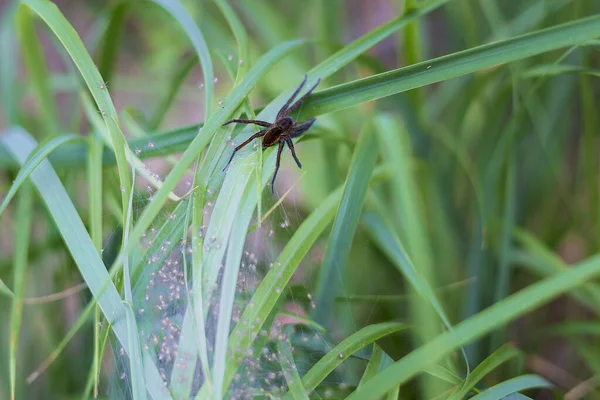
{"x":248,"y":121}
{"x":283,"y":111}
{"x":251,"y":138}
{"x":291,"y":146}
{"x":301,"y":99}
{"x":301,"y":128}
{"x":279,"y":150}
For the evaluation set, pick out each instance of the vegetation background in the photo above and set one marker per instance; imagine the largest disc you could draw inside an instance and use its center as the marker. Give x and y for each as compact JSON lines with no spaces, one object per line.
{"x":441,"y":240}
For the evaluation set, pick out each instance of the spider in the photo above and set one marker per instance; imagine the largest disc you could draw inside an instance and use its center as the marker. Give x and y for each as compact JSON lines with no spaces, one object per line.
{"x":281,"y":132}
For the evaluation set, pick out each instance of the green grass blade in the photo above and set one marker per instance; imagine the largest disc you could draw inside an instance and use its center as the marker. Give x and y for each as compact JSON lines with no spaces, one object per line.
{"x":22,"y":229}
{"x":34,"y":159}
{"x":541,"y":259}
{"x":348,"y":53}
{"x":135,"y":356}
{"x":500,"y":356}
{"x":288,"y":366}
{"x":388,"y":242}
{"x":451,"y":66}
{"x":77,"y":240}
{"x":374,"y":364}
{"x":344,"y":226}
{"x":513,"y":385}
{"x":52,"y":16}
{"x":241,"y":37}
{"x":480,"y":324}
{"x":132,"y":159}
{"x":176,"y":9}
{"x":94,"y":185}
{"x":271,"y":288}
{"x":227,"y":298}
{"x":164,"y":143}
{"x":347,"y":347}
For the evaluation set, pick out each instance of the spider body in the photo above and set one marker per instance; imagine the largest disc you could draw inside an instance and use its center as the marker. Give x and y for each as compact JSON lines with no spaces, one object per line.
{"x":281,"y":132}
{"x":279,"y":128}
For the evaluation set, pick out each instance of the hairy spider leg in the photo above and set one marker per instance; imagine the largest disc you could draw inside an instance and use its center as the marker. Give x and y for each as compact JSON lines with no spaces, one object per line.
{"x":279,"y":150}
{"x":248,"y":121}
{"x":301,"y":99}
{"x":283,"y":111}
{"x":251,"y":138}
{"x":291,"y":146}
{"x":301,"y":128}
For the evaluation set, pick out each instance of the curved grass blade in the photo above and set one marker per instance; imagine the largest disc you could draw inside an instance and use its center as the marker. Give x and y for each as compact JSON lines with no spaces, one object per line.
{"x":77,"y":240}
{"x":541,"y":259}
{"x":450,"y":66}
{"x":132,"y":159}
{"x":176,"y":9}
{"x":348,"y":53}
{"x":388,"y":242}
{"x":348,"y":346}
{"x":33,"y":160}
{"x":478,"y":325}
{"x":163,"y":143}
{"x":374,"y":364}
{"x":500,"y":356}
{"x":56,"y":21}
{"x":288,"y":366}
{"x":513,"y":385}
{"x":135,"y":355}
{"x":22,"y":229}
{"x":345,"y":223}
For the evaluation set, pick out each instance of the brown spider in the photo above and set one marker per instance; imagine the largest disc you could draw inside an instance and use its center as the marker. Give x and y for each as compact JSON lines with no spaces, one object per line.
{"x":283,"y":130}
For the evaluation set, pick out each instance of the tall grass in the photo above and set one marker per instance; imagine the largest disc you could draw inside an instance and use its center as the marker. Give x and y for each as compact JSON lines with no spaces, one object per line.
{"x":442,"y":242}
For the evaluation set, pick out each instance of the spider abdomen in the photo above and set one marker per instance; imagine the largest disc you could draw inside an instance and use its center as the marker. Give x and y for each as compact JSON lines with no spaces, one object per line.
{"x":279,"y":128}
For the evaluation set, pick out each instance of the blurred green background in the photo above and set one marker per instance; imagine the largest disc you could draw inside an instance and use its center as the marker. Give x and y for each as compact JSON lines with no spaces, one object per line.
{"x":451,"y":167}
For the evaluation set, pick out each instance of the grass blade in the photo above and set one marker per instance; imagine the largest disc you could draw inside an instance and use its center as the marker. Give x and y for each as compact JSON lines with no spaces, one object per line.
{"x":451,"y":66}
{"x":513,"y":385}
{"x":288,"y":366}
{"x":33,"y":160}
{"x":176,"y":9}
{"x":77,"y":240}
{"x":23,"y":221}
{"x":480,"y":324}
{"x":344,"y":226}
{"x":500,"y":356}
{"x":345,"y":349}
{"x":67,"y":35}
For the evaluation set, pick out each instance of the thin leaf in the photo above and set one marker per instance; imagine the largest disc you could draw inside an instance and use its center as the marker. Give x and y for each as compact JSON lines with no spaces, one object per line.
{"x":290,"y":371}
{"x":347,"y":347}
{"x":345,"y":223}
{"x":176,"y":9}
{"x":513,"y":385}
{"x":500,"y":356}
{"x":77,"y":240}
{"x":480,"y":324}
{"x":33,"y":160}
{"x":451,"y":66}
{"x":22,"y":233}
